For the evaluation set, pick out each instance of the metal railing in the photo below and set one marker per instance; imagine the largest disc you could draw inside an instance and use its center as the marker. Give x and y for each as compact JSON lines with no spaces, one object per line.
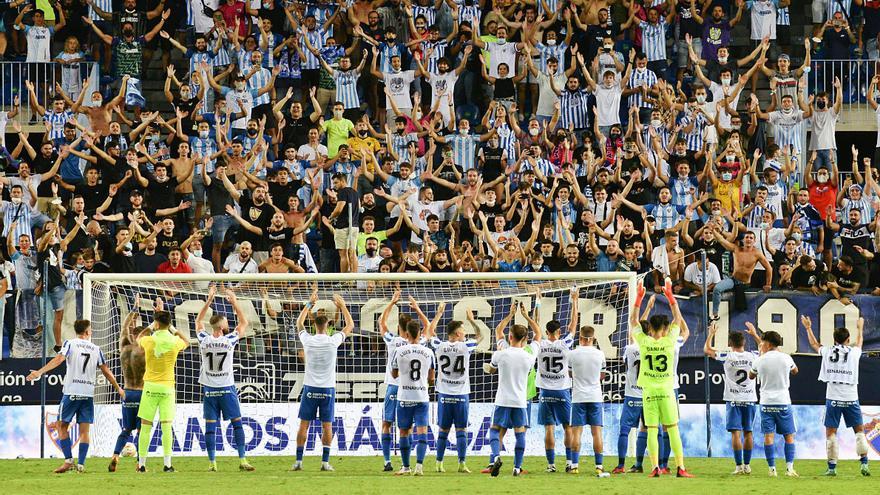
{"x":855,"y":78}
{"x":44,"y":77}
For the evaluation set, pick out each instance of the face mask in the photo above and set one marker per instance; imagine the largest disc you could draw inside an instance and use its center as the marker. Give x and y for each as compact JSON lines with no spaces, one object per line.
{"x":203,"y":134}
{"x":796,"y":236}
{"x":185,"y":95}
{"x":463,"y":132}
{"x":534,"y":131}
{"x":128,"y":246}
{"x":725,"y":81}
{"x":155,"y":138}
{"x":822,"y":178}
{"x":641,"y":70}
{"x":493,"y":143}
{"x":722,"y":60}
{"x":362,"y":132}
{"x":551,"y":42}
{"x":607,"y":48}
{"x":418,"y":114}
{"x":731,"y":158}
{"x":763,"y":225}
{"x":701,"y":99}
{"x":197,"y":253}
{"x":787,"y":110}
{"x":80,"y":266}
{"x":131,"y":163}
{"x":536,"y":267}
{"x":239,"y":86}
{"x":820,"y":104}
{"x":502,"y":41}
{"x":655,"y":122}
{"x":252,"y":132}
{"x":127,"y":33}
{"x":396,"y":70}
{"x":97,"y":103}
{"x":337,"y":113}
{"x":726,"y":176}
{"x":15,"y":201}
{"x":615,"y":135}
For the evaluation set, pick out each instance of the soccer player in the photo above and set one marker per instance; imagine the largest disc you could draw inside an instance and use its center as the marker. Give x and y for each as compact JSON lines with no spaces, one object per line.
{"x":631,"y":413}
{"x":83,"y":359}
{"x":587,"y":365}
{"x":453,"y":384}
{"x":840,"y":372}
{"x":160,"y":355}
{"x":657,"y":350}
{"x":740,"y":395}
{"x":773,"y":368}
{"x":554,"y":385}
{"x":132,"y":359}
{"x":392,"y":342}
{"x":218,"y":383}
{"x":512,"y":363}
{"x":413,"y":366}
{"x":318,"y":397}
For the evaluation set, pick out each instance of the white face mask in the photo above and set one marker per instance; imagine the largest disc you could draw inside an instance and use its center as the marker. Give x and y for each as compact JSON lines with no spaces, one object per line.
{"x":338,"y":113}
{"x":15,"y":201}
{"x":463,"y":132}
{"x":97,"y":103}
{"x":502,"y":41}
{"x":534,"y":131}
{"x":536,"y":267}
{"x":197,"y":253}
{"x":641,"y":70}
{"x":701,"y":99}
{"x":822,"y":178}
{"x":608,"y":48}
{"x":726,"y":176}
{"x":787,"y":110}
{"x":204,"y":134}
{"x":731,"y":158}
{"x":725,"y":81}
{"x":722,"y":60}
{"x":796,"y":236}
{"x":763,"y":225}
{"x":656,"y":122}
{"x":551,"y":42}
{"x":239,"y":86}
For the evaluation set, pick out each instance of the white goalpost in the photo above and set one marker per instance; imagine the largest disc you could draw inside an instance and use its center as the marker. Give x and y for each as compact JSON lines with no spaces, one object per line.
{"x":269,"y":366}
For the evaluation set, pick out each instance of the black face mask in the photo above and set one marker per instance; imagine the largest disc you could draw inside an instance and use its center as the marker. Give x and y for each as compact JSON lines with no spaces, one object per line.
{"x":820,"y":104}
{"x":362,"y":133}
{"x":252,"y":132}
{"x":128,"y":33}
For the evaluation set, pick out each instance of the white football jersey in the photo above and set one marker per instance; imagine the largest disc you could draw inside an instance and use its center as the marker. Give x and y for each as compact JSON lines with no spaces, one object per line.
{"x":840,"y":372}
{"x":513,"y":365}
{"x":392,"y":342}
{"x":453,"y":365}
{"x":631,"y":358}
{"x":587,"y":364}
{"x":412,"y":362}
{"x":320,"y":353}
{"x":774,"y":376}
{"x":738,"y":387}
{"x":83,"y":358}
{"x":216,"y":354}
{"x":553,"y":364}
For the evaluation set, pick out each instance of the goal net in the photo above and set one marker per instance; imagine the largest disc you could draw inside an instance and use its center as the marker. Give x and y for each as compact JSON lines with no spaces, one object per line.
{"x":269,"y":366}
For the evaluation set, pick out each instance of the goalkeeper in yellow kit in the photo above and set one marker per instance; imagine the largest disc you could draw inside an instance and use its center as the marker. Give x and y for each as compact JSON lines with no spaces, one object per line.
{"x":656,"y":339}
{"x":160,"y":355}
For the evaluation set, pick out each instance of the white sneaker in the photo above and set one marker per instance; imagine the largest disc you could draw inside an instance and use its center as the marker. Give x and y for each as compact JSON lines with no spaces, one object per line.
{"x":738,"y":470}
{"x":791,"y":473}
{"x":325,"y":466}
{"x":772,"y":472}
{"x":551,"y":468}
{"x":297,"y":466}
{"x":404,"y":471}
{"x":80,"y":468}
{"x":747,"y":469}
{"x":419,"y":470}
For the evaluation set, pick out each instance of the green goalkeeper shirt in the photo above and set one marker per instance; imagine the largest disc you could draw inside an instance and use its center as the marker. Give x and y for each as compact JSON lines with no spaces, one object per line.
{"x":657,"y":358}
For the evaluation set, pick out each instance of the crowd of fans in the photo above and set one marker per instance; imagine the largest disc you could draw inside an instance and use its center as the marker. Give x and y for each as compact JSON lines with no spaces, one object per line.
{"x":437,"y":136}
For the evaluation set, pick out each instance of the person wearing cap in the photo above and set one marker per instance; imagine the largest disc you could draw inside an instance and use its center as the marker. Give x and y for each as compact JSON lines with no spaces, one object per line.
{"x":851,"y":197}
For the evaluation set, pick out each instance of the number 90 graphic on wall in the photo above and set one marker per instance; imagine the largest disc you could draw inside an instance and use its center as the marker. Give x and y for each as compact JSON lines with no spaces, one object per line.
{"x":53,"y":425}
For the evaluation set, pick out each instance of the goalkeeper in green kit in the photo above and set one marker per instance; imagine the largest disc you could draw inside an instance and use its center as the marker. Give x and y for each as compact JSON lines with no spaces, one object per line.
{"x":656,"y":339}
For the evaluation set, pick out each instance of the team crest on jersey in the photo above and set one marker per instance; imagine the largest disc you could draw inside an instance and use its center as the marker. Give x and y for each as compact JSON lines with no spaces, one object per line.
{"x":52,"y":429}
{"x":254,"y":213}
{"x":255,"y":383}
{"x":396,"y":84}
{"x":872,"y":431}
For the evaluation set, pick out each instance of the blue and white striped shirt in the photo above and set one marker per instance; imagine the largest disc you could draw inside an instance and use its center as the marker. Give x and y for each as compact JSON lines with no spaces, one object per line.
{"x":203,"y":147}
{"x":439,"y":51}
{"x":506,"y":139}
{"x":105,"y":5}
{"x":694,"y":138}
{"x":556,"y":51}
{"x":428,"y":12}
{"x":573,"y":106}
{"x":20,"y":212}
{"x":258,"y":81}
{"x":654,"y":39}
{"x":346,"y":88}
{"x":862,"y":205}
{"x":543,"y":165}
{"x":57,"y":121}
{"x":399,"y":143}
{"x":464,"y":150}
{"x":387,"y":51}
{"x":667,"y":216}
{"x":638,"y":78}
{"x":316,"y":38}
{"x":683,"y":190}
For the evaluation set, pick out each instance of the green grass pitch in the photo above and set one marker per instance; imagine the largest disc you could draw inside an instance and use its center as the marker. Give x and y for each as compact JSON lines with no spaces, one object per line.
{"x":355,"y":475}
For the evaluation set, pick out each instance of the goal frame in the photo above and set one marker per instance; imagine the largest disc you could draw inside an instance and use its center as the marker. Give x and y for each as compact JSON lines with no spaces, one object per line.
{"x":89,"y":278}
